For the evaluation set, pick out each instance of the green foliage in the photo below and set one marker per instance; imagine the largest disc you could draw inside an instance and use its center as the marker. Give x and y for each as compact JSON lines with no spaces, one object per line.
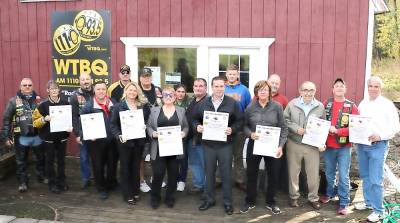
{"x":389,"y":71}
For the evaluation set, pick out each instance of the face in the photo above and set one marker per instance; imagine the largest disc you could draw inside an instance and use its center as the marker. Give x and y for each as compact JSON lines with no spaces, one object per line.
{"x":85,"y":81}
{"x":374,"y":89}
{"x":180,"y":93}
{"x":263,"y":93}
{"x":232,"y":76}
{"x":125,"y":76}
{"x":100,"y":91}
{"x":168,"y":97}
{"x":218,"y":88}
{"x":53,"y":91}
{"x":145,"y":79}
{"x":199,"y":88}
{"x":308,"y":92}
{"x":339,"y":89}
{"x":131,"y":92}
{"x":275,"y":83}
{"x":26,"y":86}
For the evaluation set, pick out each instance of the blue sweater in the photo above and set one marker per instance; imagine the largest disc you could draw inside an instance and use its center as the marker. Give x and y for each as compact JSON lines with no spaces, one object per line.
{"x":240,"y":92}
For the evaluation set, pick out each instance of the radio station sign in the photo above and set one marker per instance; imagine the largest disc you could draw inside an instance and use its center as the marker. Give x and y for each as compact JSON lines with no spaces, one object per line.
{"x":81,"y":44}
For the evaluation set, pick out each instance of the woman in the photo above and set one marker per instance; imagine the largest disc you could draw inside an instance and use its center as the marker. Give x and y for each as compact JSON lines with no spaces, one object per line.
{"x":55,"y":143}
{"x":263,"y":111}
{"x":102,"y":151}
{"x":166,"y":115}
{"x":182,"y":100}
{"x":130,"y":151}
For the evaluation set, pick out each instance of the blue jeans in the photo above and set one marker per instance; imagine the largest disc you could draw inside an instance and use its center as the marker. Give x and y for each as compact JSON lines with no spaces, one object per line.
{"x":30,"y":140}
{"x":371,"y":160}
{"x":84,"y":162}
{"x":338,"y":159}
{"x":196,"y":163}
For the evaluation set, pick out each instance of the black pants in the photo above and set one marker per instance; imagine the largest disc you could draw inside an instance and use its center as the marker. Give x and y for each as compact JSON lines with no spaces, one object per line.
{"x":55,"y":151}
{"x":21,"y":158}
{"x":272,"y":167}
{"x":104,"y":163}
{"x":130,"y":157}
{"x":159,"y":166}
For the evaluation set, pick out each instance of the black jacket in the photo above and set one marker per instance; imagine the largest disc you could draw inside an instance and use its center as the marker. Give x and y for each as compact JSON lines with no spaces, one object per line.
{"x":190,"y":112}
{"x":228,"y":105}
{"x":78,"y":101}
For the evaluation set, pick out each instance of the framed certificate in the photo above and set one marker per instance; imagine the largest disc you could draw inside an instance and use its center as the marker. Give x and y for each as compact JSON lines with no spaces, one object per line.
{"x":215,"y":124}
{"x":268,"y":143}
{"x":132,"y":124}
{"x":170,"y":141}
{"x":61,"y":118}
{"x":93,"y":126}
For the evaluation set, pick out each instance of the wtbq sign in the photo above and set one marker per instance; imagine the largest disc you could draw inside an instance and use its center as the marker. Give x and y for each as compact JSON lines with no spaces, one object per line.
{"x":81,"y":44}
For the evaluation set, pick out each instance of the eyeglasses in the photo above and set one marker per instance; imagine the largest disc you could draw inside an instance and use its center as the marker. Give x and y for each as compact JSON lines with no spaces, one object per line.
{"x":26,"y":85}
{"x":263,"y":90}
{"x":54,"y":89}
{"x":168,"y":95}
{"x":308,"y":90}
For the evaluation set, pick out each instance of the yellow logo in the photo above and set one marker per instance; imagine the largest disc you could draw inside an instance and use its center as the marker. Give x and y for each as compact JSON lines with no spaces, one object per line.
{"x":66,"y":40}
{"x":90,"y":24}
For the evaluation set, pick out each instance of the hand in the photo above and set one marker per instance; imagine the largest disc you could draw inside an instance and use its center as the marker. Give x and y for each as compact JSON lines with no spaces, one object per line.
{"x":155,"y":134}
{"x":78,"y":140}
{"x":333,"y":130}
{"x":374,"y":138}
{"x":9,"y":142}
{"x":228,"y":131}
{"x":183,"y":134}
{"x":200,"y":129}
{"x":47,"y":118}
{"x":69,"y":130}
{"x":322,"y":148}
{"x":254,"y":136}
{"x":122,"y":139}
{"x":279,"y":153}
{"x":301,"y":131}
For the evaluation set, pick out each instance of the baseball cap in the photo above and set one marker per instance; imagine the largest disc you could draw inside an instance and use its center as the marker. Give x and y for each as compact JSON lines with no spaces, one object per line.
{"x":125,"y":68}
{"x":339,"y":80}
{"x":145,"y":71}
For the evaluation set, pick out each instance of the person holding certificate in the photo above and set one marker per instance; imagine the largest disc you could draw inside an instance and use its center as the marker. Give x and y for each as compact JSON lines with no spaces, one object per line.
{"x":225,"y":111}
{"x":55,"y":143}
{"x":130,"y":147}
{"x":101,"y":150}
{"x":264,"y":112}
{"x":167,"y":115}
{"x":296,"y":114}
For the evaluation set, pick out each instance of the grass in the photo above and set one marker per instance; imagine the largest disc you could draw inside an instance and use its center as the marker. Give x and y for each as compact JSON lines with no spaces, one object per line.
{"x":27,"y":210}
{"x":389,"y":71}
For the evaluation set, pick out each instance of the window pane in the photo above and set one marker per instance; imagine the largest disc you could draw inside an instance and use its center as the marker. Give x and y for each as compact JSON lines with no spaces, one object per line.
{"x":244,"y":63}
{"x":244,"y":78}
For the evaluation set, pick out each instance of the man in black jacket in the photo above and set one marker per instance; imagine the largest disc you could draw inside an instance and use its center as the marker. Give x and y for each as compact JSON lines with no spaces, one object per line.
{"x":18,"y":129}
{"x":219,"y":151}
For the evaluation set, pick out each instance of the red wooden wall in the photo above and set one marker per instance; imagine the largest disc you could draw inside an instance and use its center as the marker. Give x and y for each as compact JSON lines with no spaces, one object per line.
{"x":316,"y":40}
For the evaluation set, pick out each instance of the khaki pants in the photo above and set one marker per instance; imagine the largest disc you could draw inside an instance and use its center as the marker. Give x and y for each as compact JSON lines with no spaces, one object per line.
{"x":295,"y":154}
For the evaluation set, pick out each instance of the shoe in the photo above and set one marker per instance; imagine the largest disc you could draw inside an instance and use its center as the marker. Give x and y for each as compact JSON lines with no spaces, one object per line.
{"x":144,"y":187}
{"x":22,"y":187}
{"x":315,"y":204}
{"x":163,"y":184}
{"x":342,"y":210}
{"x":362,"y":206}
{"x":273,"y":208}
{"x":42,"y":180}
{"x":154,"y":204}
{"x":293,"y":203}
{"x":241,"y":186}
{"x":131,"y":201}
{"x":54,"y":189}
{"x":136,"y":198}
{"x":247,"y":207}
{"x":206,"y":205}
{"x":85,"y":185}
{"x":170,"y":203}
{"x":195,"y":190}
{"x":180,"y":186}
{"x":324,"y":199}
{"x":63,"y":187}
{"x":375,"y":217}
{"x":228,"y":209}
{"x":103,"y":195}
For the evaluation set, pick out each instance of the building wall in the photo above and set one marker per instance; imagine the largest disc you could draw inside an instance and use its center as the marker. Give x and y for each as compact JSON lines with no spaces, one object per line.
{"x":316,"y":40}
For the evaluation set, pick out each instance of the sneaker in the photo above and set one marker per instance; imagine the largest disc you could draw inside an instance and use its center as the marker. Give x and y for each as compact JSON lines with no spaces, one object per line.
{"x":22,"y":187}
{"x":180,"y":186}
{"x":324,"y":199}
{"x":375,"y":217}
{"x":273,"y":208}
{"x":342,"y":210}
{"x":144,"y":187}
{"x":362,"y":206}
{"x":247,"y":207}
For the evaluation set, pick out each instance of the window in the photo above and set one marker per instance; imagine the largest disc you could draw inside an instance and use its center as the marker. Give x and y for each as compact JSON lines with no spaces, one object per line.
{"x":242,"y":61}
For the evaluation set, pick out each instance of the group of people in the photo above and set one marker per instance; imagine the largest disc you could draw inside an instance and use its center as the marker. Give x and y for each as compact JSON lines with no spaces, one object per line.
{"x":26,"y":123}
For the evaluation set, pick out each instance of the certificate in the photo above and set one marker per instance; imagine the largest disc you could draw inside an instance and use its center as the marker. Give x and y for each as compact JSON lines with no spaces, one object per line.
{"x":61,"y":118}
{"x":93,"y":126}
{"x":316,"y":132}
{"x":268,"y":143}
{"x":214,"y":125}
{"x":170,"y":141}
{"x":359,"y":129}
{"x":132,"y":124}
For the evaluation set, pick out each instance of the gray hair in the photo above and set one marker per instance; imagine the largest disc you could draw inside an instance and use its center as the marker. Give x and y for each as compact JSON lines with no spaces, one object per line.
{"x":377,"y":79}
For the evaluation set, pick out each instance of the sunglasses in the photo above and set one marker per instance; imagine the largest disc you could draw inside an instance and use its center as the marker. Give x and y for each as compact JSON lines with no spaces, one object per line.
{"x":26,"y":85}
{"x":125,"y":73}
{"x":168,"y":95}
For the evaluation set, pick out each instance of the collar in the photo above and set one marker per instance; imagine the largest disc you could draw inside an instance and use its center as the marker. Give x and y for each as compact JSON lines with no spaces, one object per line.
{"x":233,"y":86}
{"x":303,"y":103}
{"x":218,"y":99}
{"x":55,"y":102}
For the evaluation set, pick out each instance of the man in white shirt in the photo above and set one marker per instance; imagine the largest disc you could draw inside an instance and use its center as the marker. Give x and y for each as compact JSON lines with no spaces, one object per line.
{"x":371,"y":159}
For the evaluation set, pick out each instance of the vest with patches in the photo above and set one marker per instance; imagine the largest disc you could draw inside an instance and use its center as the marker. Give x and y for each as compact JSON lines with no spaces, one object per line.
{"x":342,"y":120}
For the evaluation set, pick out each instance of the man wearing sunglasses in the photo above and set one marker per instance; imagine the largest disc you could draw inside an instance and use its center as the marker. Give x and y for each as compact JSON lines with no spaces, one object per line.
{"x":116,"y":90}
{"x":18,"y":129}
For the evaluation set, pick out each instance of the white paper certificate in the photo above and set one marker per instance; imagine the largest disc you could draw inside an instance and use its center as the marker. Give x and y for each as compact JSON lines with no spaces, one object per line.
{"x":359,"y":129}
{"x":170,"y":141}
{"x":268,"y":143}
{"x":316,"y":132}
{"x":93,"y":126}
{"x":61,"y":118}
{"x":132,"y":124}
{"x":214,"y":125}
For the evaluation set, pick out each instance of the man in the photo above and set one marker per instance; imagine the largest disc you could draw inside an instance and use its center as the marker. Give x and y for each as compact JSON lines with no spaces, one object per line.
{"x":275,"y":82}
{"x":241,"y":94}
{"x":195,"y":149}
{"x":77,"y":101}
{"x":18,"y":129}
{"x":218,"y":151}
{"x":296,"y":114}
{"x":338,"y":152}
{"x":116,"y":90}
{"x":371,"y":158}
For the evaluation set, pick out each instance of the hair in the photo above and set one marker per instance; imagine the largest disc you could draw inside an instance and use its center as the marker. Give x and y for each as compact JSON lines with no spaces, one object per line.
{"x":217,"y":78}
{"x":99,"y":82}
{"x":85,"y":74}
{"x":376,"y":78}
{"x":140,"y":99}
{"x":232,"y":67}
{"x":262,"y":84}
{"x":306,"y":82}
{"x":52,"y":83}
{"x":201,"y":79}
{"x":176,"y":87}
{"x":168,"y":88}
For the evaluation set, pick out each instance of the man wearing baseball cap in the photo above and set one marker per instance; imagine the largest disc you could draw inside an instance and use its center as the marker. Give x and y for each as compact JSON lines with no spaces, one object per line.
{"x":116,"y":90}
